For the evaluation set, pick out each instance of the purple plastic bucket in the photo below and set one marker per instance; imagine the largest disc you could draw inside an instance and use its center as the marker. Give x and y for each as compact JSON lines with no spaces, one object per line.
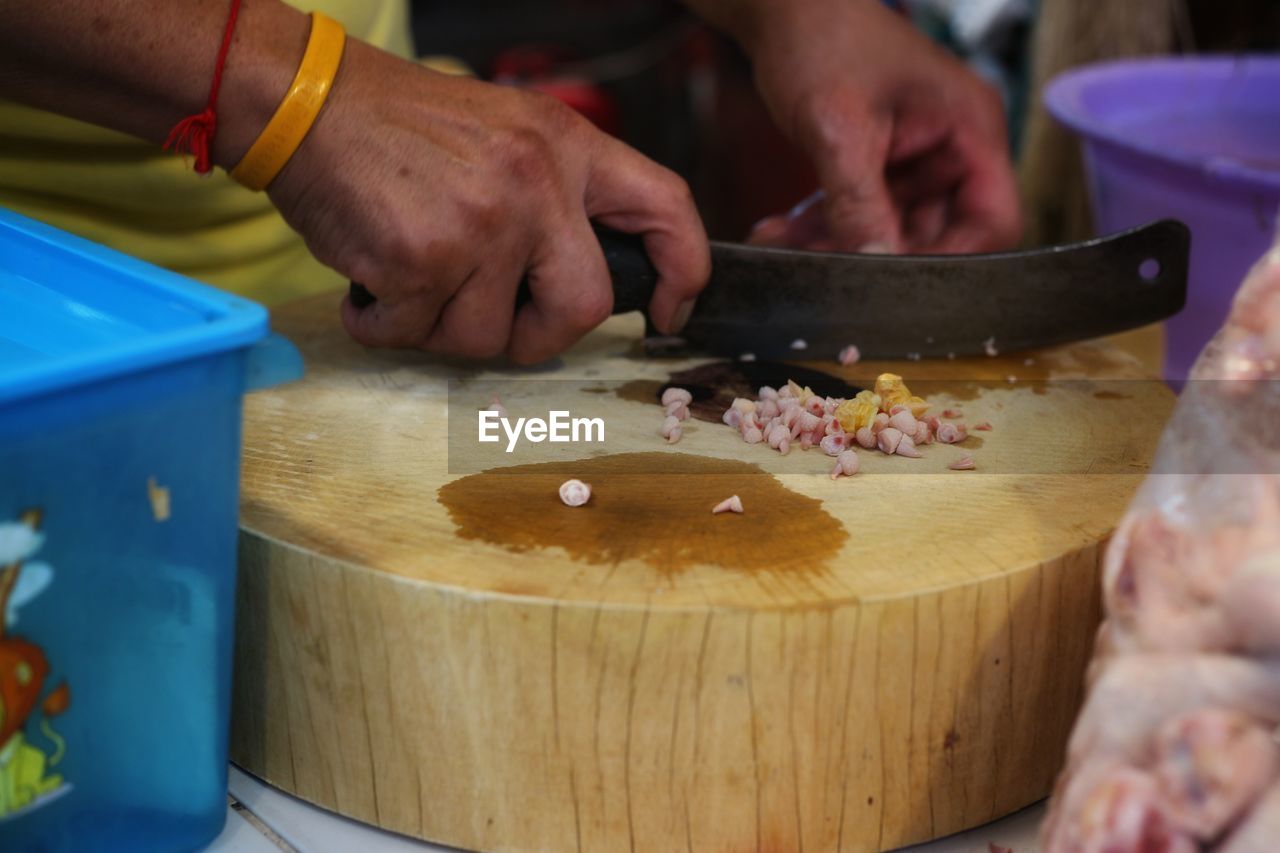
{"x":1197,"y":139}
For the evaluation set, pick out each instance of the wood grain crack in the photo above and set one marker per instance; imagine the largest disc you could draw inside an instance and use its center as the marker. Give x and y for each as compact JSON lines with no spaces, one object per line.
{"x":755,"y":744}
{"x":631,"y":705}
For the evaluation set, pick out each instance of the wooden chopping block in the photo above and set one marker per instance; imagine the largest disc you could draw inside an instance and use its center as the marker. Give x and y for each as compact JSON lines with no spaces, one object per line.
{"x":449,"y":652}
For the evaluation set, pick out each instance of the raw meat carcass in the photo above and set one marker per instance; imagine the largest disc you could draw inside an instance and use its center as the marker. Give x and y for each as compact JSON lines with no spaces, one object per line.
{"x":1176,"y":748}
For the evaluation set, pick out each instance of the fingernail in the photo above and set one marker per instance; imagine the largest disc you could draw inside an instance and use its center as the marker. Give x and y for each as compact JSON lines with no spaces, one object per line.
{"x":681,"y":317}
{"x":875,"y":247}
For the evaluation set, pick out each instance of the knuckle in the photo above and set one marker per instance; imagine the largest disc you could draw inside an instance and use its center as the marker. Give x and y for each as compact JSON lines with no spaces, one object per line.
{"x":829,"y":116}
{"x":527,"y":155}
{"x":676,"y":190}
{"x":483,"y":214}
{"x":555,"y":113}
{"x":850,"y":204}
{"x":400,"y":246}
{"x":592,"y":308}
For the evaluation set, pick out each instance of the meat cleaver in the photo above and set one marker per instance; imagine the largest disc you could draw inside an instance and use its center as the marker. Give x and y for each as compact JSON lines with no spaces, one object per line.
{"x":777,"y":303}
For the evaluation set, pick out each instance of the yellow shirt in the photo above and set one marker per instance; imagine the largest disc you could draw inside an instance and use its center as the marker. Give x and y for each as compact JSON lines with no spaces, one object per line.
{"x":130,"y":195}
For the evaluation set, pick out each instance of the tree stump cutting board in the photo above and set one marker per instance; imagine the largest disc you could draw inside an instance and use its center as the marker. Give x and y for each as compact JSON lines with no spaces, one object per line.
{"x":445,"y":650}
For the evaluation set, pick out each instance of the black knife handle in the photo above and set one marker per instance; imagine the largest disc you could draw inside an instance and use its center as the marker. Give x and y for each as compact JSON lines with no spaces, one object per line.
{"x":633,"y":274}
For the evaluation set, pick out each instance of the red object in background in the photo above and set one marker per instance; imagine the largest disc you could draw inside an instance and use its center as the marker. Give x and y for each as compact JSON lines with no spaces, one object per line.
{"x":535,"y":68}
{"x":585,"y":97}
{"x":740,"y":166}
{"x":747,"y":168}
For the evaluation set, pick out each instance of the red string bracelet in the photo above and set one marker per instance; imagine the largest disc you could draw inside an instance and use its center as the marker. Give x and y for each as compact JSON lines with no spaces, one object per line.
{"x":194,"y":134}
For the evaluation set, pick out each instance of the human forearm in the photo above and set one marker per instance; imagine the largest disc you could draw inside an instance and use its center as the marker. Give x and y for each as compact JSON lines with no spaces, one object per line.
{"x":139,"y":66}
{"x":440,"y":194}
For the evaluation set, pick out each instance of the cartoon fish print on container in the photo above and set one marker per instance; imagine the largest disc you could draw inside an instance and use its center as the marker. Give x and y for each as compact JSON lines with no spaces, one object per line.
{"x":27,"y":780}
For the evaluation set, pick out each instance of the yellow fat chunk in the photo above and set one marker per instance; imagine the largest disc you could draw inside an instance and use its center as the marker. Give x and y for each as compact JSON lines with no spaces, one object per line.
{"x":854,"y":414}
{"x":869,"y":397}
{"x":801,"y":394}
{"x":894,"y":392}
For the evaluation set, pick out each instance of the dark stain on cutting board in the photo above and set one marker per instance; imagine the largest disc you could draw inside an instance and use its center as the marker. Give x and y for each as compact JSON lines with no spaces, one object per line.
{"x":634,"y":513}
{"x":715,"y":385}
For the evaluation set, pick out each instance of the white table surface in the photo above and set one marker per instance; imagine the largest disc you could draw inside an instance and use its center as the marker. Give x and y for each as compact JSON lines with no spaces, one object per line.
{"x":262,"y":819}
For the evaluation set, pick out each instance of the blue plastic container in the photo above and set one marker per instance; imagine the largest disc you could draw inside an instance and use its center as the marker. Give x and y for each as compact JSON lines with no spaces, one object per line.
{"x":120,"y":400}
{"x":1196,"y":139}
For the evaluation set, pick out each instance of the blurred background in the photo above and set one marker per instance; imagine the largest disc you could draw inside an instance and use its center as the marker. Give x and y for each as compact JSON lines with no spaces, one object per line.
{"x":650,"y":73}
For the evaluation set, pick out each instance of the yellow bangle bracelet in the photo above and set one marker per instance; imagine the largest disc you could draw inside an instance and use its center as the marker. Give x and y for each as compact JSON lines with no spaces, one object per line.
{"x":299,"y":108}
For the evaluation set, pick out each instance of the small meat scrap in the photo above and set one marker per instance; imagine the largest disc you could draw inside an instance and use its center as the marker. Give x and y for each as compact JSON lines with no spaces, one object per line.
{"x":496,"y":406}
{"x":904,"y":421}
{"x":678,"y":409}
{"x":989,"y":347}
{"x":964,"y":463}
{"x":574,"y":492}
{"x":983,"y":426}
{"x":779,"y":438}
{"x":671,"y":429}
{"x":952,"y":413}
{"x":846,"y":465}
{"x":923,"y":434}
{"x":835,"y":445}
{"x":888,"y":440}
{"x":949,"y":433}
{"x":849,"y":355}
{"x":907,"y":447}
{"x":992,"y":847}
{"x":676,"y":395}
{"x":799,"y":344}
{"x":733,"y":503}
